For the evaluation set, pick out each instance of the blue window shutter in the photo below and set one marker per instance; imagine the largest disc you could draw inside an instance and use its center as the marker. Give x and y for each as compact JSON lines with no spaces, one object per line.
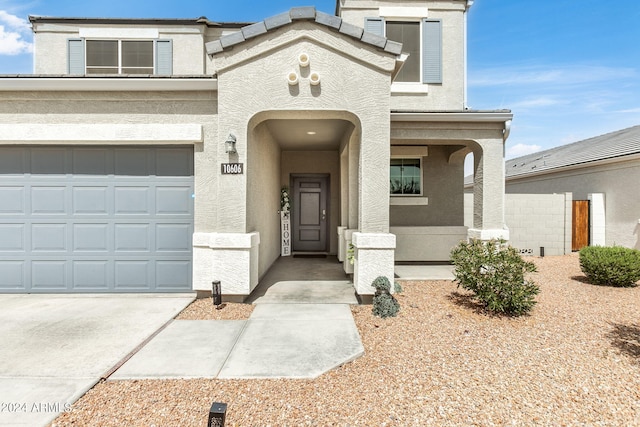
{"x":431,"y":51}
{"x":164,"y":57}
{"x":374,"y":25}
{"x":75,"y":58}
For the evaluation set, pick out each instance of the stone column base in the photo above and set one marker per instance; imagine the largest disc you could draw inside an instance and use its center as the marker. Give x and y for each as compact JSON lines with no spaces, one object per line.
{"x":488,"y":234}
{"x":231,"y":258}
{"x":374,"y":257}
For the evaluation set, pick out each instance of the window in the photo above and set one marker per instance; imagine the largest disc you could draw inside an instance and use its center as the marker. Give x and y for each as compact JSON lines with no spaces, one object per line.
{"x":120,"y":56}
{"x":407,"y":33}
{"x":421,"y":39}
{"x":405,"y":177}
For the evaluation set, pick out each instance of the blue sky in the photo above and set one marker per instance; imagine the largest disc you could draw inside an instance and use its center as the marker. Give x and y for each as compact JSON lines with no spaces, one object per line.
{"x":568,"y":69}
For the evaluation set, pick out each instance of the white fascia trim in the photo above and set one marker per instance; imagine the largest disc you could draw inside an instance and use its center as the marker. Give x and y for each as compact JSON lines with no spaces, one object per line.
{"x":496,"y":117}
{"x":113,"y":133}
{"x":106,"y":84}
{"x":119,"y":33}
{"x":403,"y":12}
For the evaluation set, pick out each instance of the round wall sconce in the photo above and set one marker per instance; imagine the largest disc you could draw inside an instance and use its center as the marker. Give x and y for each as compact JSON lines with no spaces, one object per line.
{"x":314,"y":78}
{"x":292,"y":78}
{"x":303,"y":59}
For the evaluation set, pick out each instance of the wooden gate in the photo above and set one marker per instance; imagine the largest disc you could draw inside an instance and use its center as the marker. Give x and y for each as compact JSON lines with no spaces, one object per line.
{"x":580,"y":225}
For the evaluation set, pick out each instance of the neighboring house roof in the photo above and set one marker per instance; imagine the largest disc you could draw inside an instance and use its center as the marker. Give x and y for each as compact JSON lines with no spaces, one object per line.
{"x":307,"y":13}
{"x":622,"y":143}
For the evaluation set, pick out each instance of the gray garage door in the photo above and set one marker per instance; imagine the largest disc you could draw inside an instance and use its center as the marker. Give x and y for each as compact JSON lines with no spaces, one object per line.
{"x":95,"y":219}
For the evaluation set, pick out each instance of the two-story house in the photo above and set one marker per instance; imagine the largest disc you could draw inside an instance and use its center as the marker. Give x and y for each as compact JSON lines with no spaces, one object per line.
{"x":150,"y":154}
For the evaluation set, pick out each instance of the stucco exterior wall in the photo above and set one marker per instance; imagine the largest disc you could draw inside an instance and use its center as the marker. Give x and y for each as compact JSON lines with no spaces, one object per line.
{"x":618,"y":181}
{"x":446,"y":96}
{"x":188,"y":46}
{"x":263,"y":195}
{"x":265,"y":63}
{"x":321,"y":162}
{"x":442,"y":182}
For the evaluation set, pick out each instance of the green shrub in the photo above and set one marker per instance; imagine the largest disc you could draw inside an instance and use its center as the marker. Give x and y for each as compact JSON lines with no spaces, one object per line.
{"x":495,"y":272}
{"x":610,"y":266}
{"x":384,"y":304}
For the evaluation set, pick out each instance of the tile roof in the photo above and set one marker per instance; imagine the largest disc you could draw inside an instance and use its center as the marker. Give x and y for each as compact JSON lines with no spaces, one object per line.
{"x":307,"y":13}
{"x":621,"y":143}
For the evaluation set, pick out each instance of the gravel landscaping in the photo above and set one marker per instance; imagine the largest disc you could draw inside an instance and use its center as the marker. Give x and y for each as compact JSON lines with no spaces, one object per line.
{"x":574,"y":361}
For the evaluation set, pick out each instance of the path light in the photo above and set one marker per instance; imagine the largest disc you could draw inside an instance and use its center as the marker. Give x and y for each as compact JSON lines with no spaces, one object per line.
{"x":217,"y":414}
{"x":216,"y":292}
{"x":230,"y":144}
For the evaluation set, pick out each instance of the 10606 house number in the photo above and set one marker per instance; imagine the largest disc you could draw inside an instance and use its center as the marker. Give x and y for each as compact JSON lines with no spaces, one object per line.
{"x":232,"y":168}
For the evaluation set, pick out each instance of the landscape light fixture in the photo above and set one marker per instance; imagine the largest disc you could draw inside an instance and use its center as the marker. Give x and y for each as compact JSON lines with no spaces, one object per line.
{"x":230,"y":144}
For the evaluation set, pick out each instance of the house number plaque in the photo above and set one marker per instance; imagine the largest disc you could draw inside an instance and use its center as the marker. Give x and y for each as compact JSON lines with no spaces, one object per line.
{"x":232,"y":168}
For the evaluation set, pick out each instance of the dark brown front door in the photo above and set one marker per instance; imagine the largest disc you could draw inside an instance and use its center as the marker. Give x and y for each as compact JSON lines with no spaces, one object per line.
{"x":580,"y":225}
{"x":310,"y":212}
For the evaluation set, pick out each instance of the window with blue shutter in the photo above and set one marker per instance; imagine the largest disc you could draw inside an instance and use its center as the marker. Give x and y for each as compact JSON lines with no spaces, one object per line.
{"x":431,"y":51}
{"x":164,"y":57}
{"x":75,"y":56}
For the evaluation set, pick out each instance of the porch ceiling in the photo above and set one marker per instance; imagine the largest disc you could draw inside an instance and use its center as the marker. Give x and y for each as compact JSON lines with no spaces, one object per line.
{"x":298,"y":134}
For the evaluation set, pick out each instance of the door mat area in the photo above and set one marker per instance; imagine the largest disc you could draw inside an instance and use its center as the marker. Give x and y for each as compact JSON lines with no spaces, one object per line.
{"x":309,"y":255}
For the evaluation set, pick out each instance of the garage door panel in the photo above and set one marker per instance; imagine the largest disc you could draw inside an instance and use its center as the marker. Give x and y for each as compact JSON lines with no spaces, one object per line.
{"x":132,"y":200}
{"x":12,"y":275}
{"x":90,"y":237}
{"x":172,"y":275}
{"x":96,"y":219}
{"x":90,"y":161}
{"x":173,"y":200}
{"x":173,"y":238}
{"x":90,"y":200}
{"x":132,"y":275}
{"x":48,"y":237}
{"x":91,"y":275}
{"x":132,"y":237}
{"x":12,"y":200}
{"x":12,"y":237}
{"x":48,"y":200}
{"x":49,"y":275}
{"x":48,"y":161}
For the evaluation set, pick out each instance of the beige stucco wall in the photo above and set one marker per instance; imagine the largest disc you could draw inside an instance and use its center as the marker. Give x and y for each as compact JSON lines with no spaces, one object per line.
{"x":263,"y":194}
{"x":619,"y":183}
{"x":188,"y":46}
{"x":252,"y":85}
{"x":446,"y":96}
{"x":321,"y":162}
{"x":442,"y":185}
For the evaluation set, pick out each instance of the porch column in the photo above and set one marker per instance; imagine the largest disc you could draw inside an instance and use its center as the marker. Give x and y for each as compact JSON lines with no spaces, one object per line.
{"x":374,"y":254}
{"x":488,"y":192}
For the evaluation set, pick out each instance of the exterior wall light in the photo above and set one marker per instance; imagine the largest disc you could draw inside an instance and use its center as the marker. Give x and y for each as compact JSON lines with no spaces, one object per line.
{"x":230,"y":144}
{"x":303,"y":59}
{"x":314,"y":78}
{"x":292,"y":78}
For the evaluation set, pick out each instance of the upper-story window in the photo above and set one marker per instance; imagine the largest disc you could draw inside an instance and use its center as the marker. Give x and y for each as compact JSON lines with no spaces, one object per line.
{"x":120,"y":56}
{"x":421,"y":39}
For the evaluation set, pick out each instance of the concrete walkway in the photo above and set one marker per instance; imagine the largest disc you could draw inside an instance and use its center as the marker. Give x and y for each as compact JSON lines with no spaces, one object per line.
{"x":301,"y":327}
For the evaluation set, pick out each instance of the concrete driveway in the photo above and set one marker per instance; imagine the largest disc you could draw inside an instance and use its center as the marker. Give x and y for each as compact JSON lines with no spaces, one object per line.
{"x":53,"y":348}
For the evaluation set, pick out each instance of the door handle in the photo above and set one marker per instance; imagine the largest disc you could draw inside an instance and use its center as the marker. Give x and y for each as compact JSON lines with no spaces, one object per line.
{"x":324,"y":214}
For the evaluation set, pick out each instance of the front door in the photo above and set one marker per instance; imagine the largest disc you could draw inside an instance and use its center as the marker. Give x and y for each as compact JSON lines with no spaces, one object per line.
{"x":310,"y":212}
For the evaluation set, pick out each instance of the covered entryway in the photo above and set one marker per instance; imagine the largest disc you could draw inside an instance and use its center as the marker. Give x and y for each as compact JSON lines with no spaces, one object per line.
{"x":95,"y":219}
